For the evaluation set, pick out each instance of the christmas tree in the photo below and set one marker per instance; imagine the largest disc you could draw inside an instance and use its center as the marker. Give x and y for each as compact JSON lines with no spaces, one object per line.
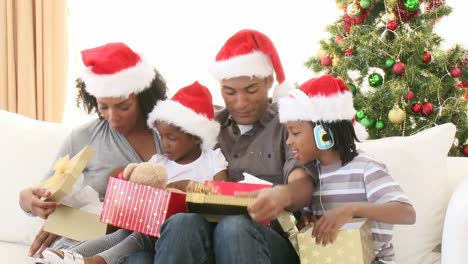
{"x":391,"y":58}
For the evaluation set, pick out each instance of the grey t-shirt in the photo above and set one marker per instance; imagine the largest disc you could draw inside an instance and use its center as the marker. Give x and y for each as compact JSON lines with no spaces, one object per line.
{"x":261,"y":151}
{"x":112,"y":150}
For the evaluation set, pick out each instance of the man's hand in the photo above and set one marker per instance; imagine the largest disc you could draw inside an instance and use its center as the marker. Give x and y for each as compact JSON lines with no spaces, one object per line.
{"x":42,"y":241}
{"x":327,"y":227}
{"x":268,"y":203}
{"x":32,"y":201}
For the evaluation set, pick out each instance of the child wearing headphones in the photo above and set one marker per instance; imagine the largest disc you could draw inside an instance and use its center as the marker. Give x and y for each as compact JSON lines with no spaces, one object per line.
{"x":322,"y":131}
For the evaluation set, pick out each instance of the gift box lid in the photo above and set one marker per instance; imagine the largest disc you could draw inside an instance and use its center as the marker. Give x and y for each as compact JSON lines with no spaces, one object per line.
{"x":67,"y":171}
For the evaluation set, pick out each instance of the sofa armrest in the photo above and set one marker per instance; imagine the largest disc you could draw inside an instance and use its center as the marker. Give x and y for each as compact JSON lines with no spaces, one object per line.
{"x":455,"y":234}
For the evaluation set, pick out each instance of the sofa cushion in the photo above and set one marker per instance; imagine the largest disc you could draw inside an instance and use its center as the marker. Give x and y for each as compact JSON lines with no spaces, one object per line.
{"x":14,"y":253}
{"x":418,"y":163}
{"x":28,"y":149}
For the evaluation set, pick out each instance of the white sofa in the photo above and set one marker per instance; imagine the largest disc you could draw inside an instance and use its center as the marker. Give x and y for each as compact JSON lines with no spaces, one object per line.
{"x":419,"y":163}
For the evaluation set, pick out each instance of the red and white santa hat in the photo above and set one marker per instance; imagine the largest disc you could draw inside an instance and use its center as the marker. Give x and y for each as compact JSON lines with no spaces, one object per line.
{"x":250,"y":53}
{"x":325,"y":99}
{"x":192,"y":110}
{"x":114,"y":70}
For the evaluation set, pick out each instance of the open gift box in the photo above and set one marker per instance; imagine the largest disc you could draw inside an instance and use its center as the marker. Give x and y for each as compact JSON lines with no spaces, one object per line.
{"x":354,"y":244}
{"x":218,"y":200}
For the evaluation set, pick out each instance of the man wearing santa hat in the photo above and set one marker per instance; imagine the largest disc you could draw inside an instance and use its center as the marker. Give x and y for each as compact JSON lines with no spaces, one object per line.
{"x":253,"y":141}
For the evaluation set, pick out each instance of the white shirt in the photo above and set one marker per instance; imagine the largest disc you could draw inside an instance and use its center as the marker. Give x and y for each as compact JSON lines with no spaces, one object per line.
{"x":204,"y":168}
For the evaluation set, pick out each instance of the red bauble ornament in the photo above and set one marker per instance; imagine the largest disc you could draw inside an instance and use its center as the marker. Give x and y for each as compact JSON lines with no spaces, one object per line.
{"x":462,"y":85}
{"x":392,"y":25}
{"x":339,"y":38}
{"x":455,"y":72}
{"x":348,"y":52}
{"x":416,"y":108}
{"x":427,"y":57}
{"x":398,"y":68}
{"x":464,"y":150}
{"x":409,"y":96}
{"x":326,"y":61}
{"x":427,"y":109}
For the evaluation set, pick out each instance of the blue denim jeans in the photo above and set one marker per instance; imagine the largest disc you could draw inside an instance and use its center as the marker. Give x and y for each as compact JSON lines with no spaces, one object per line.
{"x":189,"y":238}
{"x":144,"y":257}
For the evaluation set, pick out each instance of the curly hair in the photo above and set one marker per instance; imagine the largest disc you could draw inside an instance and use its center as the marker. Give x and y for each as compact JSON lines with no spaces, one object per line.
{"x":344,"y":137}
{"x":146,"y":99}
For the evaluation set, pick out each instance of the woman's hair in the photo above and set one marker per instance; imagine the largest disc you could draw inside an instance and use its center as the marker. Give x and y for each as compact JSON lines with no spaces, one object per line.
{"x":344,"y":138}
{"x":147,"y":99}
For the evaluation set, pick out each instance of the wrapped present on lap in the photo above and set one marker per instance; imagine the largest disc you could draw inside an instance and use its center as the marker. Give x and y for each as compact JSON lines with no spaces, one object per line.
{"x":216,"y":199}
{"x":354,"y":244}
{"x":286,"y":224}
{"x":138,"y":207}
{"x":66,"y":173}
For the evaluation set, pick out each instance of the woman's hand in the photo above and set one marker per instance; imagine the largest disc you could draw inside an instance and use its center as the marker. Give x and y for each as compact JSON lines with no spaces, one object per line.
{"x":32,"y":201}
{"x":327,"y":227}
{"x":42,"y":241}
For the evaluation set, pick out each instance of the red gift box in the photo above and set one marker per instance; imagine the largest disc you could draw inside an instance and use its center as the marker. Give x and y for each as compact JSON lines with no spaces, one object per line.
{"x":222,"y":201}
{"x":230,"y":188}
{"x":138,"y":207}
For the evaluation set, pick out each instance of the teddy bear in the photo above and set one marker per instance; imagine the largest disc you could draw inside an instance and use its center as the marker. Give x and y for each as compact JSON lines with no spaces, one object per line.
{"x":147,"y":173}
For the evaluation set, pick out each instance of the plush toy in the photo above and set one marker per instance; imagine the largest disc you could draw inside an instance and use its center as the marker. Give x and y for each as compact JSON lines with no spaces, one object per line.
{"x":152,"y":174}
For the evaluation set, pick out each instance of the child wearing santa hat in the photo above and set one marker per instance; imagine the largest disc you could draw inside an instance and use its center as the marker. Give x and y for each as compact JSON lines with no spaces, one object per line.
{"x":319,"y":117}
{"x":188,"y":132}
{"x":253,"y":141}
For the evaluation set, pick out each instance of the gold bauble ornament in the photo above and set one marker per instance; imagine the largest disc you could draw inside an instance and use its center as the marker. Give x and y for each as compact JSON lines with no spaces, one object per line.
{"x":396,"y":115}
{"x":321,"y":53}
{"x":335,"y":61}
{"x":340,"y":6}
{"x":353,"y":10}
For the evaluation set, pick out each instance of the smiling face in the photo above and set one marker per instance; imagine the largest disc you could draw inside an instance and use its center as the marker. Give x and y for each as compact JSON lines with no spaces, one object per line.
{"x":246,"y":98}
{"x":121,"y":113}
{"x":301,"y":141}
{"x":178,"y":146}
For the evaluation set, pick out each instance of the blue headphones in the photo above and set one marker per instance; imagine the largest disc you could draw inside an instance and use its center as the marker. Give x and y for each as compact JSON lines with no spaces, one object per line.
{"x":323,"y":138}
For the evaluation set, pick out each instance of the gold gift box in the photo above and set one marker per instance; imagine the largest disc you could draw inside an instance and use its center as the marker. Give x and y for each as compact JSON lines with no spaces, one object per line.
{"x":286,"y":223}
{"x":66,"y":173}
{"x":215,"y":207}
{"x":76,"y":224}
{"x":354,"y":244}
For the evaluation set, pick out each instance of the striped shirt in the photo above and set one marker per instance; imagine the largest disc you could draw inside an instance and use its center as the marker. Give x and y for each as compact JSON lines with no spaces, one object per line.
{"x":361,"y":180}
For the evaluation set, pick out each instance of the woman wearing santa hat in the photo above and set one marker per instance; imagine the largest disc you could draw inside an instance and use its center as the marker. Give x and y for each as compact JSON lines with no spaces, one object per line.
{"x":122,"y":88}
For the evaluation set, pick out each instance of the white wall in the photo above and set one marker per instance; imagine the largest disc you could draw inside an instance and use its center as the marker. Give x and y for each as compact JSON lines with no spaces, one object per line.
{"x":182,"y":37}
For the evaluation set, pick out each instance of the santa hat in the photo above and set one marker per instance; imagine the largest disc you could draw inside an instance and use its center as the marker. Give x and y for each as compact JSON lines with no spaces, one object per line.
{"x":114,"y":70}
{"x":323,"y":99}
{"x":250,"y":53}
{"x":190,"y":109}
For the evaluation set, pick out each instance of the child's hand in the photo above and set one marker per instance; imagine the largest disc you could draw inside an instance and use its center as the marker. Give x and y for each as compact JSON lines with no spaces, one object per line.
{"x":182,"y":185}
{"x":327,"y":227}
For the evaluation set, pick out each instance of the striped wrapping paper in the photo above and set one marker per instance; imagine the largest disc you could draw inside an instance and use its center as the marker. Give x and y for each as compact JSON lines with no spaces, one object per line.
{"x":138,"y":207}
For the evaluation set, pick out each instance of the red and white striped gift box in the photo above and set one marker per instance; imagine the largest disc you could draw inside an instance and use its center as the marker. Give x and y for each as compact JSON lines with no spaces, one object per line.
{"x":138,"y":207}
